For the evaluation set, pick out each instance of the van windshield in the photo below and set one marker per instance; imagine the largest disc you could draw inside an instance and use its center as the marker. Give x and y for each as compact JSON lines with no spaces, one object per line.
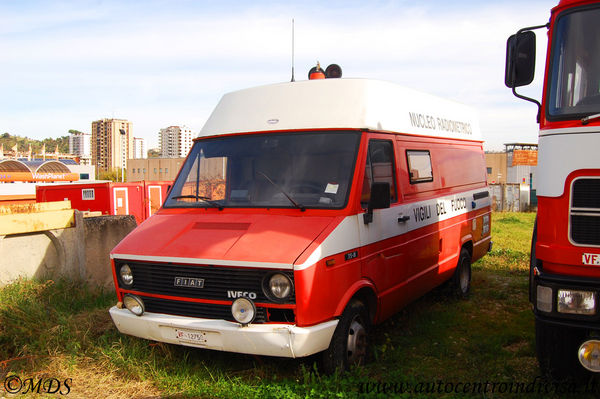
{"x":291,"y":170}
{"x":575,"y":65}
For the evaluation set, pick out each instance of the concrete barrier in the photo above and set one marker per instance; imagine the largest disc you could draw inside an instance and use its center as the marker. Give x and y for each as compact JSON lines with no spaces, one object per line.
{"x":32,"y":245}
{"x":101,"y":235}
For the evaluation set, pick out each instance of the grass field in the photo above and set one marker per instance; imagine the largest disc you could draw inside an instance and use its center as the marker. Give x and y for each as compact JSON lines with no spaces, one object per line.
{"x":438,"y":345}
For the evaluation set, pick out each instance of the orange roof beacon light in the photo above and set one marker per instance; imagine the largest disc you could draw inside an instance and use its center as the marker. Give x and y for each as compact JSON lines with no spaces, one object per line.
{"x":316,"y":72}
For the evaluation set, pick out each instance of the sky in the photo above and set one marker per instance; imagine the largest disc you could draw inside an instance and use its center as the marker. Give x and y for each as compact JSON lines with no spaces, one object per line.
{"x":157,"y":63}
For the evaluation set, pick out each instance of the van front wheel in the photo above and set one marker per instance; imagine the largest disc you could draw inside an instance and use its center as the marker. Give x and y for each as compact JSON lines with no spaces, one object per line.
{"x":349,"y":344}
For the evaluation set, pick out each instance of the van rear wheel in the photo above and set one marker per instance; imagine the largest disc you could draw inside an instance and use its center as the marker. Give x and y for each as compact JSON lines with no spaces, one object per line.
{"x":349,"y":344}
{"x":461,"y":281}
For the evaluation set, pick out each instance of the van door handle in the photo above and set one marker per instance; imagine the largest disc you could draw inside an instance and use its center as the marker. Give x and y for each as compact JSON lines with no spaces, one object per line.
{"x":403,"y":218}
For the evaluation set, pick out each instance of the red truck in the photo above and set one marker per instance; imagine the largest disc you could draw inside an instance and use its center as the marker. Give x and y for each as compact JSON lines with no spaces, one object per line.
{"x":565,"y":250}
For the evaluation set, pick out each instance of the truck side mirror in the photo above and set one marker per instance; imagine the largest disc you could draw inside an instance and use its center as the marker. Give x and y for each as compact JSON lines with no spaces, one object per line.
{"x":520,"y":59}
{"x":380,"y":199}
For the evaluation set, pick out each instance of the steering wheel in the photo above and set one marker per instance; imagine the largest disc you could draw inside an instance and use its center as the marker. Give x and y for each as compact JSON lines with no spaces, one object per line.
{"x":306,"y":187}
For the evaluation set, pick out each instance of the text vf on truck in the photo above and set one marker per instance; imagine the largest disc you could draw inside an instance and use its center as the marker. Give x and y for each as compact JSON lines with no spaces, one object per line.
{"x":565,"y":250}
{"x":304,"y":213}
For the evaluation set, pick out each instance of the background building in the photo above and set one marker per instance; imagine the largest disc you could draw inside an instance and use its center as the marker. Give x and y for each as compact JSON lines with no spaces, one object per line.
{"x":175,"y":141}
{"x":512,"y":177}
{"x":139,"y":148}
{"x":153,"y":169}
{"x":495,"y":163}
{"x":80,"y":144}
{"x":112,"y":144}
{"x":516,"y":165}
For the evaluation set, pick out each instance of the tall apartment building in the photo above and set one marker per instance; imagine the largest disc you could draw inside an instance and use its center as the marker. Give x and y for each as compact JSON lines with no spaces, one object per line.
{"x":112,"y":143}
{"x":175,"y":141}
{"x":139,"y":148}
{"x":80,"y":144}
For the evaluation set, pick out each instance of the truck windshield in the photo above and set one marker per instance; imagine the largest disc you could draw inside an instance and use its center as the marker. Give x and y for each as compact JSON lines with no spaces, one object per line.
{"x":291,"y":170}
{"x":574,"y":78}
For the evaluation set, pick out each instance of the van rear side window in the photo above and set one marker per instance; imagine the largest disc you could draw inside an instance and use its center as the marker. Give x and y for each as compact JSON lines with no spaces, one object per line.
{"x":419,"y":166}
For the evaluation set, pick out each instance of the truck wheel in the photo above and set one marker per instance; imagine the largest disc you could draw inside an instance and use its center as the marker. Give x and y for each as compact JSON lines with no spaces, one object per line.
{"x":349,"y":344}
{"x":556,"y":349}
{"x":461,"y":280}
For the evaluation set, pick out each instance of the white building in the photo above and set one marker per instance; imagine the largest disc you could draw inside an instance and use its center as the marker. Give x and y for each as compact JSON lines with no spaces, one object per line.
{"x":175,"y":141}
{"x":139,"y":148}
{"x":80,"y":144}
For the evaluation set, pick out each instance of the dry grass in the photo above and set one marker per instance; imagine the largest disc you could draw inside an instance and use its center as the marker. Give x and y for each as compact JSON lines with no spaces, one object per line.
{"x":63,"y":330}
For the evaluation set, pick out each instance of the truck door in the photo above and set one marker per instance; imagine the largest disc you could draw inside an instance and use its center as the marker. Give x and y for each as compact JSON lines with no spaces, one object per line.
{"x":382,"y":239}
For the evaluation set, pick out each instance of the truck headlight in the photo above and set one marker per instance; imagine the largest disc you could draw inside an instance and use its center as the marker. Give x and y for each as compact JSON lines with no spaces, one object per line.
{"x":280,"y":286}
{"x":544,"y":298}
{"x":576,"y":302}
{"x":126,"y":275}
{"x":134,"y":304}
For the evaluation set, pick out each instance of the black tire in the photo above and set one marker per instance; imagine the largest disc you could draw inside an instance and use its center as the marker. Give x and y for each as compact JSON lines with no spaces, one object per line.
{"x":556,"y":349}
{"x":461,"y":280}
{"x":349,"y":344}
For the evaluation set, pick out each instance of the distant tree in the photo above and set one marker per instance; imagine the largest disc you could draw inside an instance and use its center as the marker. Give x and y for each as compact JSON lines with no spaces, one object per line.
{"x":153,"y":153}
{"x":113,"y":175}
{"x":23,"y":143}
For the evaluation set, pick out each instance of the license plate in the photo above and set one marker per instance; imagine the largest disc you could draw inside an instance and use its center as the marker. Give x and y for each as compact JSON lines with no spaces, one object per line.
{"x":590,"y":259}
{"x":194,"y":337}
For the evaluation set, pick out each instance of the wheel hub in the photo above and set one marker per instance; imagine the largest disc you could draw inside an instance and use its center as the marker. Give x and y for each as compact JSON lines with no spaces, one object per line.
{"x":357,"y":342}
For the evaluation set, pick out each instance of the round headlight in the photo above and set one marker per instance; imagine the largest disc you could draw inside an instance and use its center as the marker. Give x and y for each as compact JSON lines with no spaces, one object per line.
{"x":280,"y":286}
{"x":589,"y":355}
{"x":126,"y":275}
{"x":243,"y":310}
{"x":134,"y":304}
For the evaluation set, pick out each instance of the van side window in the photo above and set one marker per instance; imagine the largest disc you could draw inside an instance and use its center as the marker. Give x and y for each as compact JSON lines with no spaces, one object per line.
{"x":379,"y":168}
{"x":419,"y":166}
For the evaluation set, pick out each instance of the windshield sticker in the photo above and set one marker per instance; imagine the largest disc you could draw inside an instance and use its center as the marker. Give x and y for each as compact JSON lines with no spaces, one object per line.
{"x":332,"y":188}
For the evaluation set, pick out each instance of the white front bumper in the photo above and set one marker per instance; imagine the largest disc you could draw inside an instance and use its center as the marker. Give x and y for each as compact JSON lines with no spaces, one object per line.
{"x":284,"y":340}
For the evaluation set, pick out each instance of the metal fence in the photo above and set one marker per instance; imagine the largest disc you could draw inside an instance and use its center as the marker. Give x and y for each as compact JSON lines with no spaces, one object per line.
{"x":511,"y":197}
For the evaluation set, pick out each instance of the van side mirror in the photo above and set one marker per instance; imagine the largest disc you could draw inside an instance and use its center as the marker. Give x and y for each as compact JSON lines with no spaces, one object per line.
{"x":520,"y":60}
{"x":380,"y":199}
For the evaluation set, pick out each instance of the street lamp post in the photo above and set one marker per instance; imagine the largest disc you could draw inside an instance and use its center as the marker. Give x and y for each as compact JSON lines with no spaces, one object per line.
{"x":123,"y":152}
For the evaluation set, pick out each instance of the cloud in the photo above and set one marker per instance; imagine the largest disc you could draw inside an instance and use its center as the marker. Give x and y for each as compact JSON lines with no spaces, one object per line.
{"x":161,"y":63}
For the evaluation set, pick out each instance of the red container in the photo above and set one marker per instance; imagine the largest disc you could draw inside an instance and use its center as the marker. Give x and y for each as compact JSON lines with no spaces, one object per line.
{"x":140,"y":199}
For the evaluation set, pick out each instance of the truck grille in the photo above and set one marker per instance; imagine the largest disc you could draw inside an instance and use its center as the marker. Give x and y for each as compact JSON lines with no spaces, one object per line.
{"x":585,"y":211}
{"x":159,"y":278}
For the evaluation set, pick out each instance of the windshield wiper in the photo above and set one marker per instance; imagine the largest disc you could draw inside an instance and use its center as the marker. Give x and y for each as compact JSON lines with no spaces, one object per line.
{"x":297,"y":205}
{"x":201,"y":198}
{"x":587,"y":119}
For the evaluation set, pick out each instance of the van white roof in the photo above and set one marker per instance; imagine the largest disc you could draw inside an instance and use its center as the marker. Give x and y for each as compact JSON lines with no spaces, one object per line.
{"x":341,"y":103}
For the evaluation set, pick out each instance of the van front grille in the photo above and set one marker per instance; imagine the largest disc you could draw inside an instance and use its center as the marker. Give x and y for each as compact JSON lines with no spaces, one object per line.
{"x":218,"y":283}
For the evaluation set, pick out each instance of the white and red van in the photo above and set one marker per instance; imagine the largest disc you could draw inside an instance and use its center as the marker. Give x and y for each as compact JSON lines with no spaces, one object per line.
{"x":304,"y":213}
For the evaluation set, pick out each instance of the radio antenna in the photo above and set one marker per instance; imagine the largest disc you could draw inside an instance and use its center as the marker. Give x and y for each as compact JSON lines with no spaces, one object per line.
{"x":293,"y":50}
